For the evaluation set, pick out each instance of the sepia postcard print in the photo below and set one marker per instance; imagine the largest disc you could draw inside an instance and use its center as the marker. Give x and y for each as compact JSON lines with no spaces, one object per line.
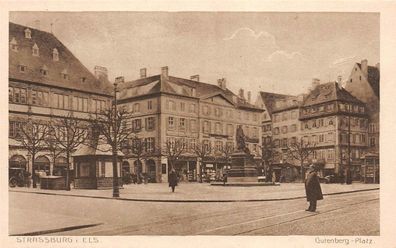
{"x":193,"y":124}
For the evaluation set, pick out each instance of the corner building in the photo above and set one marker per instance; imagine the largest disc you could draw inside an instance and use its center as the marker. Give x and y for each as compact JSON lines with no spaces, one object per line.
{"x":46,"y":81}
{"x":166,"y":108}
{"x":337,"y":124}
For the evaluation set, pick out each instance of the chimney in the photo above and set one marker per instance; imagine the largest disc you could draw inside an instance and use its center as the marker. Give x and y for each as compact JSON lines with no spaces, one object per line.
{"x":164,"y":71}
{"x":241,"y":94}
{"x":143,"y":72}
{"x":37,"y":24}
{"x":249,"y":96}
{"x":339,"y":79}
{"x":364,"y":67}
{"x":195,"y":78}
{"x":101,"y":73}
{"x":315,"y":83}
{"x":119,"y":80}
{"x":222,"y":83}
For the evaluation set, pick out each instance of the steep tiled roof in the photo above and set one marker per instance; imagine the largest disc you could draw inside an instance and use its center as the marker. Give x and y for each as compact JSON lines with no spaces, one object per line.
{"x":373,"y":78}
{"x":67,"y":62}
{"x":180,"y":86}
{"x":329,"y":92}
{"x":270,"y":100}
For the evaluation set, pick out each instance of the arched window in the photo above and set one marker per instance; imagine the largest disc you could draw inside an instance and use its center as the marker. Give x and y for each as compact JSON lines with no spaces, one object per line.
{"x":42,"y":163}
{"x":17,"y":161}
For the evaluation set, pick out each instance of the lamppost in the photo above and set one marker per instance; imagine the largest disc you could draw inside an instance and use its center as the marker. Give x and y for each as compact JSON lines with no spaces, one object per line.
{"x":28,"y":166}
{"x":116,"y":191}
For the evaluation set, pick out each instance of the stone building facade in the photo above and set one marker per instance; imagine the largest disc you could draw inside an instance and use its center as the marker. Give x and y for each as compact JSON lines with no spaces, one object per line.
{"x":364,"y":84}
{"x":329,"y":115}
{"x":46,"y":82}
{"x":167,"y":108}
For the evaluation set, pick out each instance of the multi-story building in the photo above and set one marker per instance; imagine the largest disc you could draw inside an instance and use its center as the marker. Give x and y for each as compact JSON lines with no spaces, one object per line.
{"x":329,"y":115}
{"x":364,"y":84}
{"x":285,"y":131}
{"x":166,"y":108}
{"x":267,"y":102}
{"x":47,"y":81}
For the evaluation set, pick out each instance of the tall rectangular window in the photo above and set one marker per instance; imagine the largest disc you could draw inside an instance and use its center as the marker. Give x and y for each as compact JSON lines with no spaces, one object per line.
{"x":182,"y":106}
{"x":171,"y":122}
{"x":192,"y":108}
{"x":193,"y":125}
{"x":136,"y":125}
{"x":150,"y":123}
{"x":182,"y":123}
{"x":149,"y":104}
{"x":102,"y":169}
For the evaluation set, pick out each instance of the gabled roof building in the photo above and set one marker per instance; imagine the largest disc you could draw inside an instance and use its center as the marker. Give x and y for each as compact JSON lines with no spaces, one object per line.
{"x":167,"y":108}
{"x":47,"y":81}
{"x":335,"y":123}
{"x":364,"y":84}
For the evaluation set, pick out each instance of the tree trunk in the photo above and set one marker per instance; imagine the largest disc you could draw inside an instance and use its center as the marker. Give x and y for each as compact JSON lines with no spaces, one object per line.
{"x":67,"y":171}
{"x":302,"y":172}
{"x":33,"y":172}
{"x":116,"y":191}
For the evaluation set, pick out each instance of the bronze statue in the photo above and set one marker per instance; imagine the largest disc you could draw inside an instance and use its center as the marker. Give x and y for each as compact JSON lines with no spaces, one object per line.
{"x":240,"y":139}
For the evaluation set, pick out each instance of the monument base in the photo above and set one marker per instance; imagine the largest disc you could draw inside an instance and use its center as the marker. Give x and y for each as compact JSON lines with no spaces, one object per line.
{"x":243,"y":168}
{"x":231,"y":179}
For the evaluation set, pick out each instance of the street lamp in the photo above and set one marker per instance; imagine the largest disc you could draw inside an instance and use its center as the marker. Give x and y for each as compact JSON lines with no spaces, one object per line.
{"x":28,"y":166}
{"x":116,"y":190}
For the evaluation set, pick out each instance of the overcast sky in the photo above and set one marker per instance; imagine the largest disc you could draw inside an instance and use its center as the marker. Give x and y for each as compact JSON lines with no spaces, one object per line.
{"x":275,"y":52}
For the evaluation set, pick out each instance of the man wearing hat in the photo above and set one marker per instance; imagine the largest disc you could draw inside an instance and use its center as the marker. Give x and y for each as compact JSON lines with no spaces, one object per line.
{"x":312,"y":188}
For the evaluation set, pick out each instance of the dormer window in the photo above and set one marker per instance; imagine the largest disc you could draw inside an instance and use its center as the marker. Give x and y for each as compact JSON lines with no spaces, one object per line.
{"x":14,"y":45}
{"x":22,"y":68}
{"x":83,"y":79}
{"x":35,"y":50}
{"x":55,"y":55}
{"x":28,"y":34}
{"x":44,"y":71}
{"x":64,"y":74}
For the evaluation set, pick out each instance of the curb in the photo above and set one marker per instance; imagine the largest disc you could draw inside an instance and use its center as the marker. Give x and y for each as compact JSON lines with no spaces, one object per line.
{"x":192,"y":201}
{"x":62,"y":229}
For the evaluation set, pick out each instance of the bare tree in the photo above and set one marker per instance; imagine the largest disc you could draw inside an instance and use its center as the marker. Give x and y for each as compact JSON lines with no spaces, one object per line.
{"x":112,"y":129}
{"x":268,"y":154}
{"x":300,"y":151}
{"x":202,"y":150}
{"x":52,"y":146}
{"x":141,"y":149}
{"x":69,"y":133}
{"x":32,"y":136}
{"x":173,"y":150}
{"x":226,"y":151}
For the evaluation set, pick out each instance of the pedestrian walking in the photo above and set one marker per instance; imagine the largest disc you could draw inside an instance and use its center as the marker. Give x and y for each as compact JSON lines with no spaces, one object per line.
{"x":173,"y":179}
{"x":312,"y":188}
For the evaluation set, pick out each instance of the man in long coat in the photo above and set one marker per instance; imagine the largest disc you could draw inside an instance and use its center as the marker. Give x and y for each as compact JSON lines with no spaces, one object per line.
{"x":172,"y":180}
{"x":312,"y":189}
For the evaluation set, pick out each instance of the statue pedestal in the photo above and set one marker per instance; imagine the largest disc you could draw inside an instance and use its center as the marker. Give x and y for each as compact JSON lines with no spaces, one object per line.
{"x":243,"y":168}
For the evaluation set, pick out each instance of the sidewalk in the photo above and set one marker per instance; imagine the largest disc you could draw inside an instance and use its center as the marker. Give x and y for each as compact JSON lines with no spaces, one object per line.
{"x":203,"y":192}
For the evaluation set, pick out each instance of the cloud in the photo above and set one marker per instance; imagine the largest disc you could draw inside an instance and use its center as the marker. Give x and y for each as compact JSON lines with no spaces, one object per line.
{"x":342,"y":60}
{"x":250,"y":32}
{"x":282,"y":54}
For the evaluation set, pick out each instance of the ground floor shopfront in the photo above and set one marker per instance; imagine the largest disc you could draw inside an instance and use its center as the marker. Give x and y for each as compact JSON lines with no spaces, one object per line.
{"x":44,"y":165}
